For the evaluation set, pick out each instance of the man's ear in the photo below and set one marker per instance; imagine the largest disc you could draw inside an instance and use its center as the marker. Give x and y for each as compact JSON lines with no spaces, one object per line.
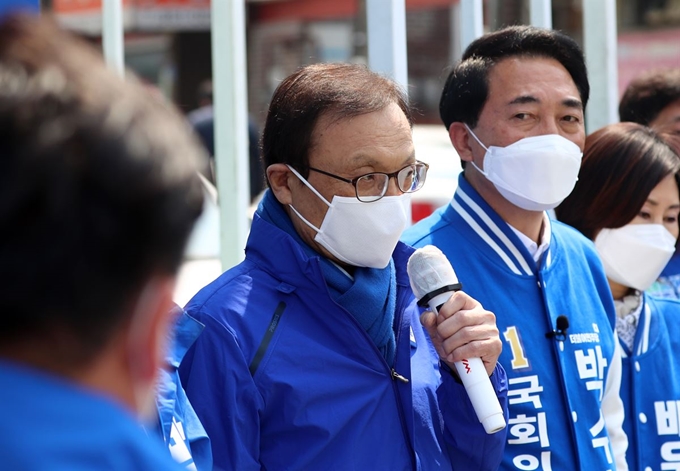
{"x":280,"y":178}
{"x":460,"y":138}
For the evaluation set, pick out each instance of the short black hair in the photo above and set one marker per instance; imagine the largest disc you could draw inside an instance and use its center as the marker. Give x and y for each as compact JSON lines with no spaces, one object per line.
{"x":467,"y":87}
{"x":98,"y":189}
{"x":343,"y":90}
{"x":648,"y":94}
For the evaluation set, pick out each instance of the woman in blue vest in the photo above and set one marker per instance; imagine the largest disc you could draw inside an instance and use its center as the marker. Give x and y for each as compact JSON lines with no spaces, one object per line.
{"x":627,"y":201}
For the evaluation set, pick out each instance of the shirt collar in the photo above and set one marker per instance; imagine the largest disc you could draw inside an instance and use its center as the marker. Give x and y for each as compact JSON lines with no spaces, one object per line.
{"x":534,"y":249}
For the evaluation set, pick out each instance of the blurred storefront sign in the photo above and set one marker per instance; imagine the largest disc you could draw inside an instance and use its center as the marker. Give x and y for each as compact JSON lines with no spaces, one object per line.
{"x":640,"y":51}
{"x":85,"y":17}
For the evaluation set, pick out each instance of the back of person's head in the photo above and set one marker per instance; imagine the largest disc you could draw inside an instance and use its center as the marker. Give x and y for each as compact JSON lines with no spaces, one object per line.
{"x":98,"y":194}
{"x":622,"y":164}
{"x":671,"y":136}
{"x":341,"y":90}
{"x":467,"y":86}
{"x":648,"y":94}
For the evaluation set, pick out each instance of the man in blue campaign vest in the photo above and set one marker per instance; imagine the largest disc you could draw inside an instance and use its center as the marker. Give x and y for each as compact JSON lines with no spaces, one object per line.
{"x":313,"y":354}
{"x":514,"y":108}
{"x":98,"y":195}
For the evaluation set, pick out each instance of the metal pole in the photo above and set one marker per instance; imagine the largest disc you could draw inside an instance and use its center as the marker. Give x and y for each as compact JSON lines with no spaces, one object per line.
{"x":112,"y":35}
{"x":471,"y":22}
{"x":455,"y":49}
{"x":386,"y":35}
{"x":541,"y":13}
{"x":386,"y":25}
{"x":231,"y":126}
{"x":599,"y":36}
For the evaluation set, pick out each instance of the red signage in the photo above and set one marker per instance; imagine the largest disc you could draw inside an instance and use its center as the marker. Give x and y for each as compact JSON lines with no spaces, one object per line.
{"x":138,"y":15}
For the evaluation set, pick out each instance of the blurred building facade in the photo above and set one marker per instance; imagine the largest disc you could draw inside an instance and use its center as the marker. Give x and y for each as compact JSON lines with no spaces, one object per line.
{"x":168,"y":41}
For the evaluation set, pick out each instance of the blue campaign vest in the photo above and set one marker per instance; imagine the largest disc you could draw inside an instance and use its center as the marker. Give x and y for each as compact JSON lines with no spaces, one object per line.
{"x":650,"y":388}
{"x":555,"y":387}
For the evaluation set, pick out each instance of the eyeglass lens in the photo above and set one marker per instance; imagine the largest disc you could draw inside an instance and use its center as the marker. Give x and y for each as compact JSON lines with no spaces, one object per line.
{"x":374,"y":185}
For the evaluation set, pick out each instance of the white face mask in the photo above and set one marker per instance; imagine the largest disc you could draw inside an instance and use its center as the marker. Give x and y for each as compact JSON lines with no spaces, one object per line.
{"x":360,"y":234}
{"x":634,"y":255}
{"x":535,"y":173}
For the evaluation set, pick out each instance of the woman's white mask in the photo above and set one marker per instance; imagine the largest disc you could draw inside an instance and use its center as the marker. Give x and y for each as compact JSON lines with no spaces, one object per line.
{"x":535,"y":173}
{"x":360,"y":234}
{"x":636,"y":254}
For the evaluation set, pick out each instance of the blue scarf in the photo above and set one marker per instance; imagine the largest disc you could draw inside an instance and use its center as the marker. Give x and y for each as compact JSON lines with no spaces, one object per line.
{"x":371,"y":296}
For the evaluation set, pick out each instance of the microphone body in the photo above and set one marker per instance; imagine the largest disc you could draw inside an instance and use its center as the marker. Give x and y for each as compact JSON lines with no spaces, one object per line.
{"x":433,"y":282}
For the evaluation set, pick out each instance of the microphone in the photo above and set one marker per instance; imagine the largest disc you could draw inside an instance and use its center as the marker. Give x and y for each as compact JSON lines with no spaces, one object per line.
{"x":433,"y":281}
{"x":560,"y":332}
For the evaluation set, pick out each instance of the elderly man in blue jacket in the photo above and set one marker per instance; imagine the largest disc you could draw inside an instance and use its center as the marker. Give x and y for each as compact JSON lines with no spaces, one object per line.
{"x":314,"y":353}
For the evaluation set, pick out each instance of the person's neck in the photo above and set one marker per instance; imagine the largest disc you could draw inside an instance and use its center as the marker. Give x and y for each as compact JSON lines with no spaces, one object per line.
{"x":529,"y":223}
{"x":618,"y":290}
{"x":105,"y":373}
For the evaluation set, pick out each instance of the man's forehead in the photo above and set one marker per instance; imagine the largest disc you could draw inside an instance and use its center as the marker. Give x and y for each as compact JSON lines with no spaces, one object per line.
{"x":378,"y":140}
{"x":668,"y":116}
{"x":518,"y":78}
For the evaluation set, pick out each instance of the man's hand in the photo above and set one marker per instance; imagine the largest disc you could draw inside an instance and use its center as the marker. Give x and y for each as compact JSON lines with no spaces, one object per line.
{"x":464,"y":329}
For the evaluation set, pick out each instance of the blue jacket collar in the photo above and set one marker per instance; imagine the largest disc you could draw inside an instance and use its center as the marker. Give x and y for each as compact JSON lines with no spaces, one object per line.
{"x":492,"y":230}
{"x":266,"y":239}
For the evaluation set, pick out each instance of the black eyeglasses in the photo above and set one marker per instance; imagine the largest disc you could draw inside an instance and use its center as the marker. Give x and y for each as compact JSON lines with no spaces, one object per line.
{"x":373,"y":186}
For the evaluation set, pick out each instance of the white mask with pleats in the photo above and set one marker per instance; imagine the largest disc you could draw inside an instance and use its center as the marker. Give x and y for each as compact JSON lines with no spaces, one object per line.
{"x":360,"y":234}
{"x":535,"y":173}
{"x":635,"y":255}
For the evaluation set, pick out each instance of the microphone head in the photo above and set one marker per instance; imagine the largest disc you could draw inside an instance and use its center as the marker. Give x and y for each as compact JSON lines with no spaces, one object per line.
{"x":429,"y":270}
{"x":562,"y":323}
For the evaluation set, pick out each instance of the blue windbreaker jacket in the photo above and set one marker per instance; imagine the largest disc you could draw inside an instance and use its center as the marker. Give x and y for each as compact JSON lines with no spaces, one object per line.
{"x":282,"y":377}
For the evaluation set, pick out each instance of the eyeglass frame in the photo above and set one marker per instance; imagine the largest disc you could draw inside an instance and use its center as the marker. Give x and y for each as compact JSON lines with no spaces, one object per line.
{"x":394,"y":175}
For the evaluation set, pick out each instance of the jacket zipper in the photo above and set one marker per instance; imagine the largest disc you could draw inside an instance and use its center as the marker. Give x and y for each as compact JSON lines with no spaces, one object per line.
{"x":393,"y":373}
{"x":396,"y":375}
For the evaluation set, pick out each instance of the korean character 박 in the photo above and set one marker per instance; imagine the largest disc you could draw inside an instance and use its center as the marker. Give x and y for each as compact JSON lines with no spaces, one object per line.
{"x":591,"y":364}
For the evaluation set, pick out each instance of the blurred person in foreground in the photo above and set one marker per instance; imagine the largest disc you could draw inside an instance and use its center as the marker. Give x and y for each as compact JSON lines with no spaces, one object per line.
{"x":653,"y":99}
{"x":98,"y":194}
{"x":313,"y":355}
{"x":514,"y":109}
{"x":627,"y":201}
